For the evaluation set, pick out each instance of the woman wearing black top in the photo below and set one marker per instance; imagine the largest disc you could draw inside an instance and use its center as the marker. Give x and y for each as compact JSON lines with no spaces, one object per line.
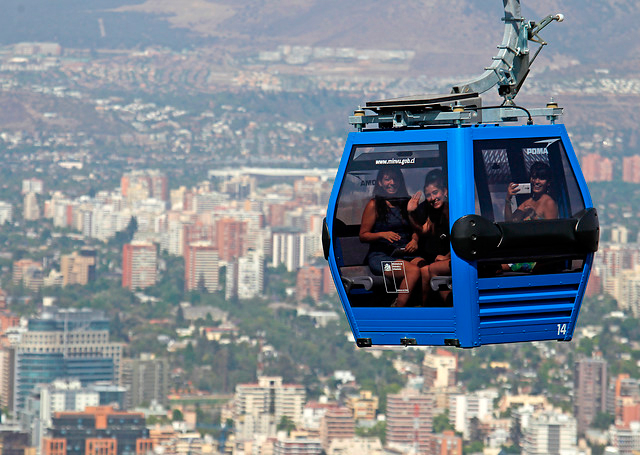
{"x":386,"y":227}
{"x":431,"y":220}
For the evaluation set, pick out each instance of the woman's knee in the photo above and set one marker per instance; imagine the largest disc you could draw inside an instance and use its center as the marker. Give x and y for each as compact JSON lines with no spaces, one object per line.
{"x":413,"y":272}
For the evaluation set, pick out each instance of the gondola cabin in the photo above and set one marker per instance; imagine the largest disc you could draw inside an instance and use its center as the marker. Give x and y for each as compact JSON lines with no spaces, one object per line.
{"x":520,"y":250}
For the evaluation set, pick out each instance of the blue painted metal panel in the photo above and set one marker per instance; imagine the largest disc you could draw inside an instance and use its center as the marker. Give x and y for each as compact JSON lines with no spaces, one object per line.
{"x":529,"y":281}
{"x":519,"y":337}
{"x":422,"y":339}
{"x":515,"y":310}
{"x":332,"y":254}
{"x":414,"y":319}
{"x":581,"y":291}
{"x":461,"y":203}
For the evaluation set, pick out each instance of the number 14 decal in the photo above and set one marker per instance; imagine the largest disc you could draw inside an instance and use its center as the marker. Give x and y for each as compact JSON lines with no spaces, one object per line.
{"x":562,"y":329}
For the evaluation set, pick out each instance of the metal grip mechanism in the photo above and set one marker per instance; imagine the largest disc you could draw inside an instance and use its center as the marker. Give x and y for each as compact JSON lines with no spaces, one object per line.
{"x":511,"y":66}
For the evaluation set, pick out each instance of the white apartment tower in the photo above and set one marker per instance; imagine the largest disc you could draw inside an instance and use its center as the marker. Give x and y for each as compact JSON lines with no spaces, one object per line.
{"x":289,"y":249}
{"x":464,"y":407}
{"x":258,"y":408}
{"x":409,"y":421}
{"x":550,"y":433}
{"x":32,"y":186}
{"x":250,"y":275}
{"x":6,"y":212}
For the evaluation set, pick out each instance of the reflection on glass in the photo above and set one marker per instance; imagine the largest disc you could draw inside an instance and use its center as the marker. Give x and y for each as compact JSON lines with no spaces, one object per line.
{"x":524,"y":180}
{"x":501,"y":164}
{"x":387,"y":255}
{"x":540,"y":205}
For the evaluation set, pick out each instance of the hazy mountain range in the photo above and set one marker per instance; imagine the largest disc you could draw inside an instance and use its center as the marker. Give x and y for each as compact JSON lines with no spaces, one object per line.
{"x":444,"y":33}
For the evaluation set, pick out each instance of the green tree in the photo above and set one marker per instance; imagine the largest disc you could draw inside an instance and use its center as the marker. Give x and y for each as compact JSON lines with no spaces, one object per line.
{"x":189,"y":356}
{"x":602,"y":421}
{"x":131,"y":228}
{"x":177,"y":416}
{"x":473,"y":447}
{"x":180,"y":316}
{"x":441,"y":423}
{"x":286,"y":424}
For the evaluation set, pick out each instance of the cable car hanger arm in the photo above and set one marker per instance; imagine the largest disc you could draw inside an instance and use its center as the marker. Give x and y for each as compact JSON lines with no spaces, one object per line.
{"x":463,"y":105}
{"x":511,"y":66}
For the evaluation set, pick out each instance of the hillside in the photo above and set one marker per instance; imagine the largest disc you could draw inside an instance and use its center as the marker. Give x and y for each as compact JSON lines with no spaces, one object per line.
{"x":448,"y":37}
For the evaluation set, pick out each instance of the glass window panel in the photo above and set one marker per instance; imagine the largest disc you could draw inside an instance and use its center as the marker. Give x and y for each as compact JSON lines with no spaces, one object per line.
{"x":376,"y":268}
{"x":501,"y":162}
{"x":540,"y":169}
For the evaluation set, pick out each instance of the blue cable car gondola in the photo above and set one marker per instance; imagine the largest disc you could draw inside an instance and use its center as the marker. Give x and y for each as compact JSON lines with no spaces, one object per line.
{"x":447,"y":226}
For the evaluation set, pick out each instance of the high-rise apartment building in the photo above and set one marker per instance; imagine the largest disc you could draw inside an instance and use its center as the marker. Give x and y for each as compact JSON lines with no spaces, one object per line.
{"x":276,"y":213}
{"x":626,"y":439}
{"x":6,"y":212}
{"x":590,"y":390}
{"x":139,"y":265}
{"x":196,"y":232}
{"x":550,"y":433}
{"x":146,"y":380}
{"x":65,"y":344}
{"x":312,"y":282}
{"x":289,"y":249}
{"x":597,"y":168}
{"x":173,"y":239}
{"x":631,"y":169}
{"x":409,"y":420}
{"x":464,"y":407}
{"x":201,"y":267}
{"x":245,"y":276}
{"x":231,"y":238}
{"x":7,"y":369}
{"x":31,"y":210}
{"x":619,"y":234}
{"x":250,"y":275}
{"x":337,"y":423}
{"x":78,"y":267}
{"x":99,"y":430}
{"x":626,"y":400}
{"x":258,"y":408}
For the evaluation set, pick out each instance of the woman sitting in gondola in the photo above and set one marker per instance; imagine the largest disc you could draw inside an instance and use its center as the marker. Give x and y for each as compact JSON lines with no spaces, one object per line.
{"x":540,"y":206}
{"x":431,"y":220}
{"x":385,"y":226}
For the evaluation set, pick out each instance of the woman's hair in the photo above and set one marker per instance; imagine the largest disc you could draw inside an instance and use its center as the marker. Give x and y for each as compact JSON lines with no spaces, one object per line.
{"x":540,"y":170}
{"x":400,"y":199}
{"x":436,"y":177}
